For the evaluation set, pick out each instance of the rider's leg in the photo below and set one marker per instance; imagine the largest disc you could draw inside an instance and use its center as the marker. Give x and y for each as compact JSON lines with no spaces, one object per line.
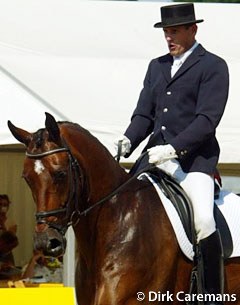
{"x":200,"y":189}
{"x":211,"y":266}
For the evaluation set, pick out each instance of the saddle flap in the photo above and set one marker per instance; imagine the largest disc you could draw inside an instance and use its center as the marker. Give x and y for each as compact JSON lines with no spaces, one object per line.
{"x":224,"y":231}
{"x":174,"y":192}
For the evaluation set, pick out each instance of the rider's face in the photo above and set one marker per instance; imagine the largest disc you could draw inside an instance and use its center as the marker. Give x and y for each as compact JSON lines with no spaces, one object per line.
{"x":180,"y":38}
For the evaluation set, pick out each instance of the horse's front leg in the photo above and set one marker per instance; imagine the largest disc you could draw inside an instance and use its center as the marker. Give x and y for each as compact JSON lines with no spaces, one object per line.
{"x":110,"y":295}
{"x":119,"y":281}
{"x":85,"y":292}
{"x":112,"y":291}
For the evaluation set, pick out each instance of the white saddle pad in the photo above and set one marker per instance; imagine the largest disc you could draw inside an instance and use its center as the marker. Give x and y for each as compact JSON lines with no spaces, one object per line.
{"x":228,"y":203}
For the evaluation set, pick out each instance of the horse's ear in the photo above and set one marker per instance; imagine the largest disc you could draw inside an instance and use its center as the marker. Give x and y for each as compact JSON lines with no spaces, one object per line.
{"x":21,"y":135}
{"x":52,"y":128}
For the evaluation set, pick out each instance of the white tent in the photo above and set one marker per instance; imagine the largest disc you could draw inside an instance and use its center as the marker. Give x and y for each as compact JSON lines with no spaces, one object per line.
{"x":26,"y":102}
{"x":85,"y":61}
{"x":21,"y":105}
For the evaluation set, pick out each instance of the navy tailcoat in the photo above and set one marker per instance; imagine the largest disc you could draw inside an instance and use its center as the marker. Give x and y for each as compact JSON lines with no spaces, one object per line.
{"x":183,"y":111}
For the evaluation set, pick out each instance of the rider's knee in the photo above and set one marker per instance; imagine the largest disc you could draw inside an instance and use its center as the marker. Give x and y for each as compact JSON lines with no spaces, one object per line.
{"x":204,"y":227}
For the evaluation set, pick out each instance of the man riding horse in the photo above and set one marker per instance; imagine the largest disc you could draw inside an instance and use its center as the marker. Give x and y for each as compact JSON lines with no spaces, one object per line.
{"x":180,"y":107}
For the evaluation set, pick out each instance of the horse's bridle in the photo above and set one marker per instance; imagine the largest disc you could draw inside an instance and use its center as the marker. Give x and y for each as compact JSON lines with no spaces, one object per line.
{"x":71,"y":205}
{"x":73,"y":197}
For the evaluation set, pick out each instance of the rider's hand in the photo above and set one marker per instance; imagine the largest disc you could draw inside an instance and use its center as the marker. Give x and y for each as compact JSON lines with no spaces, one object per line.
{"x":161,"y":153}
{"x":124,"y":143}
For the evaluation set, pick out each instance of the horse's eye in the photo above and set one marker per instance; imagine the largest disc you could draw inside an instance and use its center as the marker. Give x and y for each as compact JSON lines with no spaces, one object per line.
{"x":59,"y":175}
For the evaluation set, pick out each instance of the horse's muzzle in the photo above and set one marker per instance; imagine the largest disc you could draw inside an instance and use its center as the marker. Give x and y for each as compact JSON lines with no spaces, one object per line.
{"x":50,"y":241}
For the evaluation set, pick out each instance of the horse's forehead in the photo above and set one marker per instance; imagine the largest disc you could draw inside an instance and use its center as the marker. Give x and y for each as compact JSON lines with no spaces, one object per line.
{"x":39,"y":142}
{"x":48,"y":163}
{"x":39,"y":167}
{"x":34,"y":167}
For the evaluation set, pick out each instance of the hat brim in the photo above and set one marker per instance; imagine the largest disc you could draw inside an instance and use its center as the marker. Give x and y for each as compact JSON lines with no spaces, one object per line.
{"x":162,"y":25}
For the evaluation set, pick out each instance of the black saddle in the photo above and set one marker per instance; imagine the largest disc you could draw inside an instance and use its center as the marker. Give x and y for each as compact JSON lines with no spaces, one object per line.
{"x":174,"y":192}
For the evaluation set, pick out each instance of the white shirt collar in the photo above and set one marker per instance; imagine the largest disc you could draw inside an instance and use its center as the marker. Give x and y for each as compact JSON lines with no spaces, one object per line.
{"x":185,"y":55}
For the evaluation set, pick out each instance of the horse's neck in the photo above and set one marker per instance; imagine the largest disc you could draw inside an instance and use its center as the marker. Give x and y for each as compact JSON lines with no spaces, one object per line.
{"x":102,"y":172}
{"x":101,"y":183}
{"x":102,"y":175}
{"x":86,"y":231}
{"x":104,"y":179}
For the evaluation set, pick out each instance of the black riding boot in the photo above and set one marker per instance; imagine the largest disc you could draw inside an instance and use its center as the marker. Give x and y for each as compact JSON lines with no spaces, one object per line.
{"x":212,"y":267}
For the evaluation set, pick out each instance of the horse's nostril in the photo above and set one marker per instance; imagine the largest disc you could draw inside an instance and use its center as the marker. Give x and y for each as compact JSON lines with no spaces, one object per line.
{"x":54,"y":243}
{"x":51,"y":242}
{"x":56,"y":247}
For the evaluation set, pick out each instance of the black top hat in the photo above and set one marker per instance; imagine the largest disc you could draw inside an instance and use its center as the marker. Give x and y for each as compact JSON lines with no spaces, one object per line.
{"x":179,"y":14}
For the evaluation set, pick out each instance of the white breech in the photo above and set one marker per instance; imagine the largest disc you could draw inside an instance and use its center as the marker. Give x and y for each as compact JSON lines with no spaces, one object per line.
{"x":200,"y":189}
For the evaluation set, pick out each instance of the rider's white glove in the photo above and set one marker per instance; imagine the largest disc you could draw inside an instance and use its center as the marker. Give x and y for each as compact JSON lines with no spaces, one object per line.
{"x":125,"y":145}
{"x":161,"y":153}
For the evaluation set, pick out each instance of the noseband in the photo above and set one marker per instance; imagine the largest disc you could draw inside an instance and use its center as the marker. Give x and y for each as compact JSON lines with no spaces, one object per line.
{"x":71,"y":205}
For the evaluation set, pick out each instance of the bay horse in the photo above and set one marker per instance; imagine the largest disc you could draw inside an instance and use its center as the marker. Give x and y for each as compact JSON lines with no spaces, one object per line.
{"x":126,"y":246}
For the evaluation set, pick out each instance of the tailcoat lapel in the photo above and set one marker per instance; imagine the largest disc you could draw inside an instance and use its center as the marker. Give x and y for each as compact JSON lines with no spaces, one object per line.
{"x":190,"y":61}
{"x":166,"y":67}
